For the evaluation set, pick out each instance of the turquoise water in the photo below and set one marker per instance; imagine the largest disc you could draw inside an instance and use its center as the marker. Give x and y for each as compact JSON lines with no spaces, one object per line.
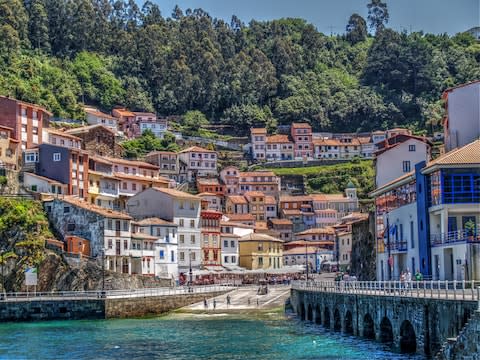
{"x":182,"y":337}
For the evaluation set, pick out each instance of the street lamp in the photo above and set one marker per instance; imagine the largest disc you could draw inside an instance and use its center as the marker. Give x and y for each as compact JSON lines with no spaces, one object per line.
{"x":306,"y":259}
{"x":190,"y":271}
{"x":388,"y":251}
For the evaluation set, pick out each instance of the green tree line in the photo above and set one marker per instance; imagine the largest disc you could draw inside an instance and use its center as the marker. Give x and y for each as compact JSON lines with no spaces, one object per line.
{"x":62,"y":53}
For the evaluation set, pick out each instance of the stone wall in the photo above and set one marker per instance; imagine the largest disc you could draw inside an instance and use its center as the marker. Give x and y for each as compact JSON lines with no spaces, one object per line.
{"x":152,"y":305}
{"x":363,"y":249}
{"x":52,"y":310}
{"x":466,"y":346}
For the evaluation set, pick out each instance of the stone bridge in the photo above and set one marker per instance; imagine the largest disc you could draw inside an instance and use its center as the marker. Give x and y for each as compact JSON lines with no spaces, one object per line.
{"x":418,"y":319}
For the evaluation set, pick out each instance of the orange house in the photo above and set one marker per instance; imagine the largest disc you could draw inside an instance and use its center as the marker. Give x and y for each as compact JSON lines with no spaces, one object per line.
{"x":78,"y":245}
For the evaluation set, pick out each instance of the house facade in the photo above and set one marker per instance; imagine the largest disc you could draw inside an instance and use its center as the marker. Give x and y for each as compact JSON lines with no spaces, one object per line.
{"x":199,"y":162}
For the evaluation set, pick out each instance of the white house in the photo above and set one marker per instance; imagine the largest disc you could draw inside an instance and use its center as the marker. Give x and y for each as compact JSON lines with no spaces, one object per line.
{"x":158,"y":127}
{"x":259,"y":138}
{"x":397,"y":156}
{"x":95,"y":117}
{"x":178,"y":207}
{"x":199,"y":162}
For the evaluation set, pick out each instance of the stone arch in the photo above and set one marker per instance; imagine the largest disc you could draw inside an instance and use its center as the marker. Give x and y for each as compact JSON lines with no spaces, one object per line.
{"x":301,"y":311}
{"x":348,"y":322}
{"x":326,"y":317}
{"x":318,"y":315}
{"x":368,"y":327}
{"x":337,"y":320}
{"x":408,"y":339}
{"x":386,"y":331}
{"x":310,"y":313}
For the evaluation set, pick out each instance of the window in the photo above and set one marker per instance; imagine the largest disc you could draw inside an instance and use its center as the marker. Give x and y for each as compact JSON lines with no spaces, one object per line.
{"x":180,"y":222}
{"x":406,"y":166}
{"x":192,"y":223}
{"x":56,"y":156}
{"x":172,"y":256}
{"x":232,"y":243}
{"x":411,"y":147}
{"x":192,"y":239}
{"x":162,"y":255}
{"x":412,"y":235}
{"x":134,"y":187}
{"x":182,"y":256}
{"x":109,"y":224}
{"x":66,"y":209}
{"x":180,"y":205}
{"x":125,"y":226}
{"x":225,"y":243}
{"x":234,"y":259}
{"x":193,"y":256}
{"x":260,"y":261}
{"x":192,"y":206}
{"x":182,"y":239}
{"x":225,"y":259}
{"x":124,"y":186}
{"x":125,"y":244}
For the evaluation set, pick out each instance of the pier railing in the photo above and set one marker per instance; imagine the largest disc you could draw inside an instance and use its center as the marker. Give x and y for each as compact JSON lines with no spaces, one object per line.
{"x":450,"y":290}
{"x":114,"y":294}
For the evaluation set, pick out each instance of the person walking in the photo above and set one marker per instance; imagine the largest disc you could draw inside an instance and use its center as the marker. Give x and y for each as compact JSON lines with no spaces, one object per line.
{"x":205,"y":303}
{"x":214,"y":304}
{"x":228,"y":299}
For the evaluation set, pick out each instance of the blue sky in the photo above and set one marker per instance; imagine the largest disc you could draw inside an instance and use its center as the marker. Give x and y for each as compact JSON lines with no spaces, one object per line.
{"x":432,"y":16}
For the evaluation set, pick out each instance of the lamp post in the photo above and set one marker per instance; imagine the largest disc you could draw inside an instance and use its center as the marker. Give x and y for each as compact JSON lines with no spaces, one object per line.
{"x":306,"y":259}
{"x":190,"y":271}
{"x":388,"y":251}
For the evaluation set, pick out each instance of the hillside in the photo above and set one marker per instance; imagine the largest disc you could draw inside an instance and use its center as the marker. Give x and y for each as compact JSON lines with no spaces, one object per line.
{"x":62,"y":53}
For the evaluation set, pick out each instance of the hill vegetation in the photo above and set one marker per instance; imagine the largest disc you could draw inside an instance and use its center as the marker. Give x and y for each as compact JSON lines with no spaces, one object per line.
{"x":62,"y":53}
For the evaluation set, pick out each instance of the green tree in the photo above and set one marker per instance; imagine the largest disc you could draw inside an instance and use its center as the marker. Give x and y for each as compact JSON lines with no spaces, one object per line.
{"x":13,"y":25}
{"x":356,"y":29}
{"x":193,"y":121}
{"x":38,"y":26}
{"x":243,"y":117}
{"x":377,"y":15}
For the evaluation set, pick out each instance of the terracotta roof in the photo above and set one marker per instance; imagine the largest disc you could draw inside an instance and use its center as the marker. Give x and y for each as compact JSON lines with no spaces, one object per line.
{"x":253,"y":193}
{"x":270,"y":200}
{"x":154,"y":221}
{"x":142,"y":164}
{"x":136,"y":113}
{"x":278,"y":139}
{"x":177,"y":193}
{"x":396,"y":140}
{"x":240,"y":217}
{"x":207,"y":181}
{"x":207,"y":194}
{"x":255,"y":173}
{"x":51,"y":181}
{"x":161,"y":152}
{"x":326,"y":142}
{"x":124,"y":112}
{"x":94,"y":208}
{"x":235,"y":224}
{"x":100,"y":114}
{"x":84,"y":129}
{"x":258,"y":130}
{"x":290,"y":212}
{"x":290,"y":198}
{"x":237,"y":199}
{"x":364,"y":140}
{"x":301,"y":125}
{"x":141,"y":178}
{"x":259,"y":237}
{"x":315,"y":231}
{"x":329,"y":197}
{"x":196,"y":149}
{"x":62,"y":133}
{"x":281,"y":221}
{"x":102,"y":174}
{"x":99,"y":159}
{"x":467,"y":155}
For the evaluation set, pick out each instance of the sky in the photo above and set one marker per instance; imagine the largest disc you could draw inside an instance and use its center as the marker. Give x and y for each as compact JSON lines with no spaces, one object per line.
{"x":430,"y":16}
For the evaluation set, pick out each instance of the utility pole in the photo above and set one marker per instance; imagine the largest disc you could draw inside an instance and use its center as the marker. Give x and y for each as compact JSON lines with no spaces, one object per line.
{"x":103,"y":272}
{"x":190,"y":270}
{"x":306,"y":258}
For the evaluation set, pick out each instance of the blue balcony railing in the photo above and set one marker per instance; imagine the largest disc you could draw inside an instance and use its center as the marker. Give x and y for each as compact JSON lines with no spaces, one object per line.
{"x":453,"y":237}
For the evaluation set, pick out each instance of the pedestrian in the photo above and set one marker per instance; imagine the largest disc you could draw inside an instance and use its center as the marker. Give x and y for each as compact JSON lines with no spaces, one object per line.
{"x":248,"y":300}
{"x":214,"y":303}
{"x":205,"y":303}
{"x":228,"y":299}
{"x":257,"y":302}
{"x":402,"y":281}
{"x":408,"y":278}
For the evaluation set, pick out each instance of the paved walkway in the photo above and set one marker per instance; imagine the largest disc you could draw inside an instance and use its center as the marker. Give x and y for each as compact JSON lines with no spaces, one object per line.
{"x":244,"y":298}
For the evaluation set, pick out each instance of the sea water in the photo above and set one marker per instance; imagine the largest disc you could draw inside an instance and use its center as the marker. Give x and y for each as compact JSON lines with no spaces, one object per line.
{"x":180,"y":336}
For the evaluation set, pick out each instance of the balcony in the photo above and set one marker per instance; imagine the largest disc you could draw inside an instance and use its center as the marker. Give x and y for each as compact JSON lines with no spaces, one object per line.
{"x":455,"y":237}
{"x":108,"y":192}
{"x":397,"y":246}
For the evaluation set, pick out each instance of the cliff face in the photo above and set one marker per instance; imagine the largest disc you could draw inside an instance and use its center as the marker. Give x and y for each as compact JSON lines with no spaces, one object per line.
{"x":363,"y":249}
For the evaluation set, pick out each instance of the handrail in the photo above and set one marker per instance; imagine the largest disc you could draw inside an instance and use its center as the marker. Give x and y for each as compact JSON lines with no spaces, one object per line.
{"x":438,"y":289}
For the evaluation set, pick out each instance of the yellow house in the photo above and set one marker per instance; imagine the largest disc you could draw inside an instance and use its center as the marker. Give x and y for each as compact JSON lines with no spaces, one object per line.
{"x":260,"y":251}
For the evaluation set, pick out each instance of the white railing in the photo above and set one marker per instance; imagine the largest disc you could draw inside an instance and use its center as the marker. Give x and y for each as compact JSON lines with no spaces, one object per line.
{"x":451,"y":290}
{"x":113,"y":294}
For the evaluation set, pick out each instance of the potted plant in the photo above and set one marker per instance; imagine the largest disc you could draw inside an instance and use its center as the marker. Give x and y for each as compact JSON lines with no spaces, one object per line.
{"x":470,"y":228}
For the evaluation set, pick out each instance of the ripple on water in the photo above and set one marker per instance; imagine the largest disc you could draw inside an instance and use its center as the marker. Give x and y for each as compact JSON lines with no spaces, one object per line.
{"x":200,"y":336}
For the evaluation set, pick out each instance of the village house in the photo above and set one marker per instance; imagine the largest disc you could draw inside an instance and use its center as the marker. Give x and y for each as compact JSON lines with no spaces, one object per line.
{"x":284,"y":227}
{"x":258,"y":138}
{"x":103,"y":186}
{"x":230,"y":233}
{"x":126,"y":120}
{"x":302,"y":136}
{"x":247,"y":219}
{"x":211,"y":185}
{"x":179,"y":207}
{"x":326,"y":235}
{"x":26,"y":121}
{"x":236,"y":204}
{"x":98,"y":139}
{"x":230,"y":179}
{"x":256,"y":204}
{"x":167,"y":161}
{"x":40,"y":184}
{"x":260,"y":251}
{"x":96,"y":117}
{"x":279,"y":147}
{"x":61,"y":138}
{"x":212,"y":201}
{"x":199,"y":162}
{"x":211,"y":242}
{"x":158,"y":127}
{"x":264,"y":181}
{"x":9,"y":149}
{"x":157,"y":237}
{"x":108,"y":232}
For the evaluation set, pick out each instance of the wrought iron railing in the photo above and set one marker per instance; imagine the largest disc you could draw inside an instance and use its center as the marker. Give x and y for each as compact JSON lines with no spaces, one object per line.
{"x":454,"y":237}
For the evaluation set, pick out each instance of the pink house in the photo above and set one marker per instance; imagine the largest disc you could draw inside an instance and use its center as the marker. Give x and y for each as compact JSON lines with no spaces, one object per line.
{"x":302,"y":136}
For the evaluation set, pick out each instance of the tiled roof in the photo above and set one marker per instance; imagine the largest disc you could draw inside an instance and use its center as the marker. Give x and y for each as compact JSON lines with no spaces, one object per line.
{"x":329,"y":197}
{"x":141,"y":178}
{"x":237,"y":199}
{"x":136,"y":113}
{"x":270,"y":200}
{"x":288,"y":212}
{"x":281,"y":221}
{"x":207,"y":181}
{"x":240,"y":217}
{"x":84,"y":129}
{"x":311,"y":243}
{"x":261,"y":225}
{"x":396,"y":140}
{"x":94,"y":208}
{"x":315,"y":231}
{"x":255,"y":173}
{"x":301,"y":250}
{"x":301,"y":125}
{"x":124,"y":112}
{"x":100,"y":114}
{"x":253,"y":193}
{"x":235,"y":224}
{"x":142,"y":164}
{"x":258,"y":130}
{"x":465,"y":156}
{"x":325,"y":142}
{"x":144,"y":236}
{"x":62,"y":133}
{"x":205,"y":193}
{"x":177,"y":193}
{"x":51,"y":181}
{"x":290,"y":198}
{"x":196,"y":149}
{"x":259,"y":237}
{"x":276,"y":139}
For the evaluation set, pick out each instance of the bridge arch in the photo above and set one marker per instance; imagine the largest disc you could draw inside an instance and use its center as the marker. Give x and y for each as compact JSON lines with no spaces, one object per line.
{"x":310,"y":312}
{"x":368,"y":327}
{"x":318,"y":315}
{"x":348,"y":323}
{"x":301,"y":311}
{"x":326,"y":317}
{"x":408,"y":339}
{"x":337,"y":320}
{"x":386,"y":331}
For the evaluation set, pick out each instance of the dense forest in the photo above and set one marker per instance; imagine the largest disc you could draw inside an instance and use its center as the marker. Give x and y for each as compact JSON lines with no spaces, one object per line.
{"x":62,"y":53}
